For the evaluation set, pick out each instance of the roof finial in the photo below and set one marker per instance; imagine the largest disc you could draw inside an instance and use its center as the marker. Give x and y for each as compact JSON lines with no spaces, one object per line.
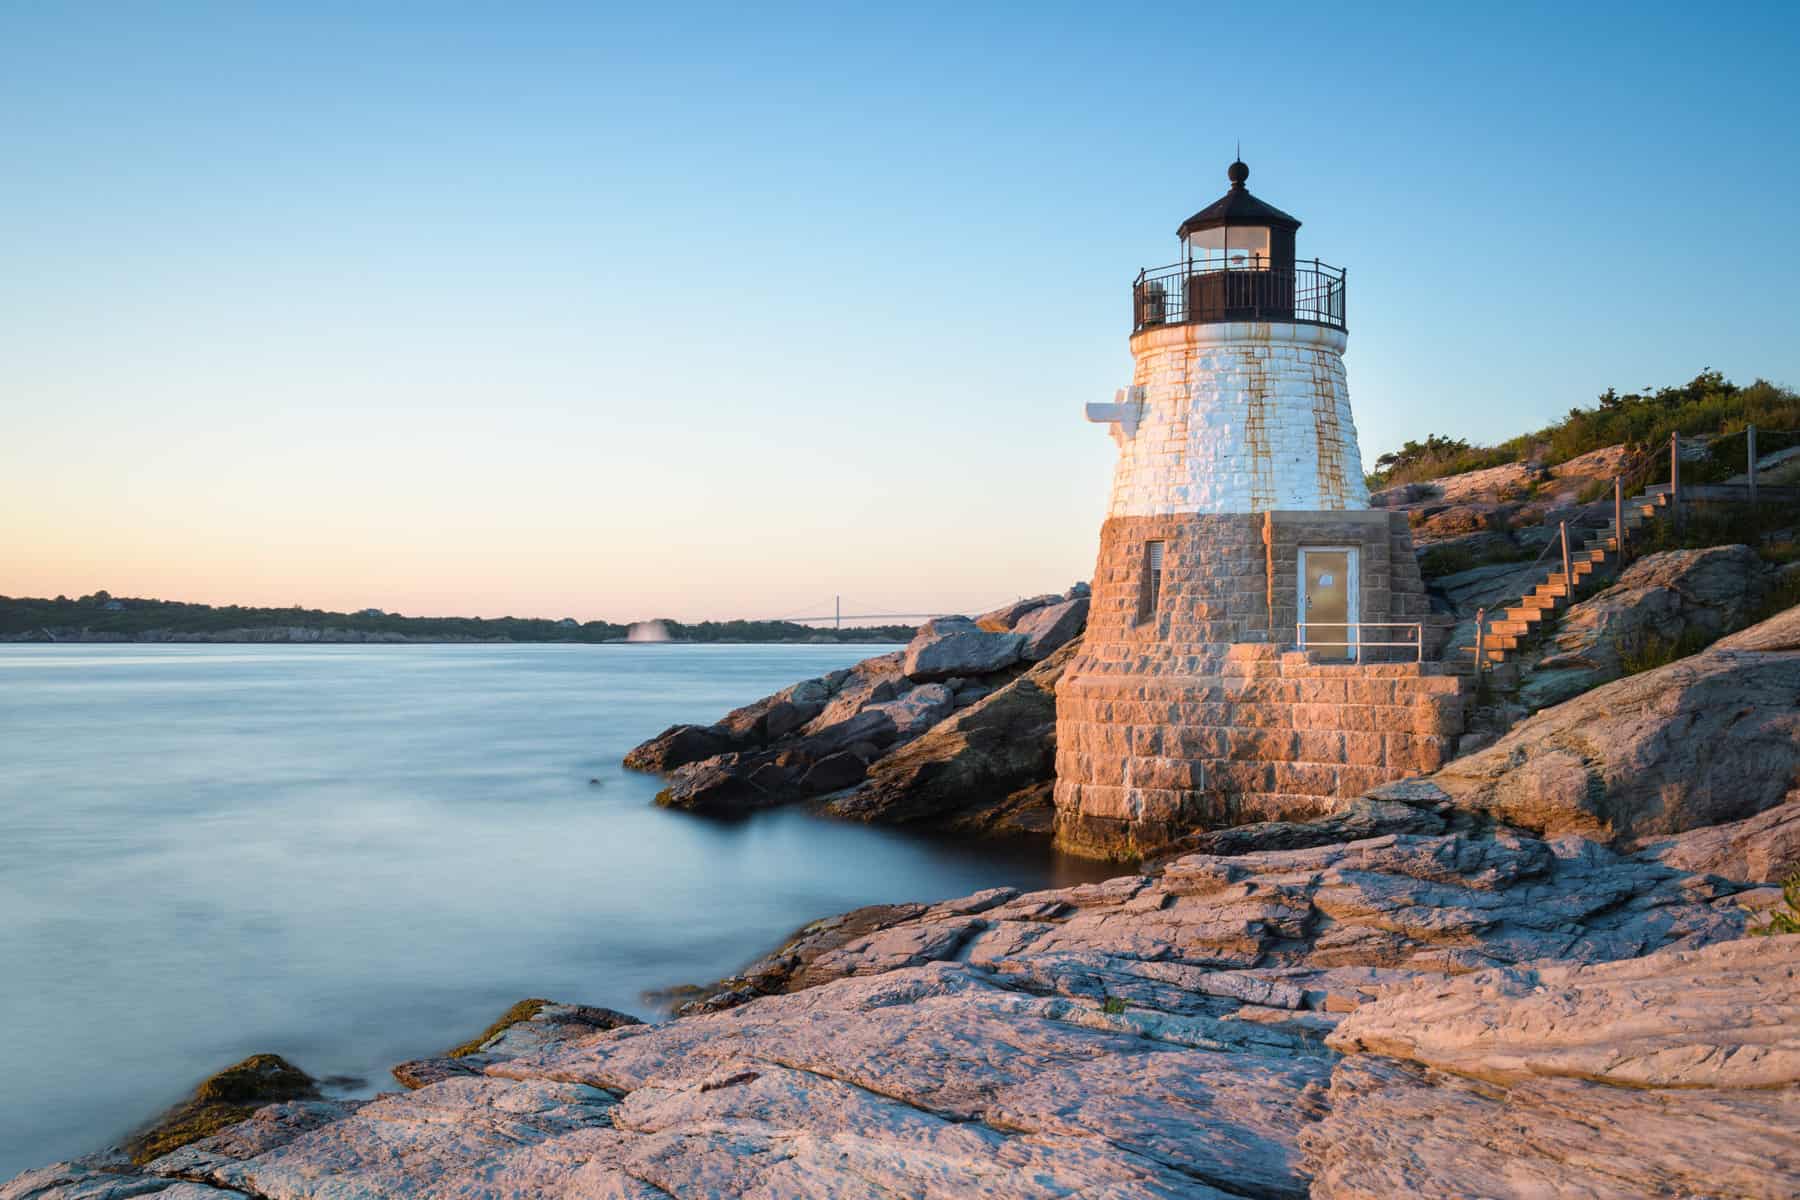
{"x":1238,"y":172}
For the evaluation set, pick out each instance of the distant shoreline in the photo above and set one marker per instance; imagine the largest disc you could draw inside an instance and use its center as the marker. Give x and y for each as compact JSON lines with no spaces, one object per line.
{"x":102,"y":618}
{"x":201,"y":640}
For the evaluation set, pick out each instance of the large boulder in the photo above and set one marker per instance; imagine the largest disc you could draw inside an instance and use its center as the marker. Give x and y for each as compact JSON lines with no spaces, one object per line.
{"x":1662,"y":604}
{"x":1760,"y":849}
{"x":1710,"y":738}
{"x":1402,"y":494}
{"x":1462,"y":592}
{"x":918,"y":710}
{"x":774,"y":717}
{"x":679,"y":745}
{"x":727,"y":785}
{"x":809,"y":707}
{"x":1052,"y":627}
{"x":1494,"y":1084}
{"x":1005,"y":618}
{"x":1459,"y":519}
{"x":871,"y":681}
{"x":873,"y":726}
{"x":971,"y":762}
{"x":951,"y":646}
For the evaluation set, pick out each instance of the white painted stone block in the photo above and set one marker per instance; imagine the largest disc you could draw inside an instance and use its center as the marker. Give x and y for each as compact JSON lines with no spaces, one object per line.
{"x":1238,"y":417}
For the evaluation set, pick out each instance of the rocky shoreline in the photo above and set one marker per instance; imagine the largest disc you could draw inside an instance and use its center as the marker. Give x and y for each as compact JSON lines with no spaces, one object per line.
{"x":1437,"y":990}
{"x":955,"y":732}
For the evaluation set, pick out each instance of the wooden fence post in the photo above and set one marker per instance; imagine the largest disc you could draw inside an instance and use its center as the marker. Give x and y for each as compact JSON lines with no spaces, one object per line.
{"x":1619,"y":518}
{"x":1675,"y":476}
{"x":1750,"y":450}
{"x":1568,"y":577}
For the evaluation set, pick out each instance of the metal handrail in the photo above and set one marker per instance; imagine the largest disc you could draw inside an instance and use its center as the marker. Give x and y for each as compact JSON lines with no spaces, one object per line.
{"x":1622,"y":484}
{"x":1416,"y":644}
{"x":1188,"y":293}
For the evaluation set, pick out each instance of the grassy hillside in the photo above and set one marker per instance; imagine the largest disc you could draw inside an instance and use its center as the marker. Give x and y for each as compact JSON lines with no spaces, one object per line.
{"x":1708,"y":404}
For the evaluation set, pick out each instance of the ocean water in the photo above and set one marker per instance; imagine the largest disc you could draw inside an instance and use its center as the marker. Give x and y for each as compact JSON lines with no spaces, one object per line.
{"x":353,"y":855}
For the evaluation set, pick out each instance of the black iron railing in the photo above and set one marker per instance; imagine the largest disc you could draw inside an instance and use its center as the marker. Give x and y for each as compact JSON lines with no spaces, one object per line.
{"x":1190,"y":294}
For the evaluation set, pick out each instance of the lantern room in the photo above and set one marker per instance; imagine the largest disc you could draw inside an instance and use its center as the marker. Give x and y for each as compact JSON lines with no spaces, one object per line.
{"x":1237,"y":264}
{"x":1238,"y":232}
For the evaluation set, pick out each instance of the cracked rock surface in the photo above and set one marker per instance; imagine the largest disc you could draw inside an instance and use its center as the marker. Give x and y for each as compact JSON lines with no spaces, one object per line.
{"x":1408,"y":1014}
{"x":1412,"y":996}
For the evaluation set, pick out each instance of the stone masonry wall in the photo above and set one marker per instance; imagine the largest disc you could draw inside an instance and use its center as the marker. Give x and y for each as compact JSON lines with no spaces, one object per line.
{"x":1214,"y":587}
{"x":1195,"y":715}
{"x":1234,"y":577}
{"x":1239,"y":417}
{"x":1255,"y":733}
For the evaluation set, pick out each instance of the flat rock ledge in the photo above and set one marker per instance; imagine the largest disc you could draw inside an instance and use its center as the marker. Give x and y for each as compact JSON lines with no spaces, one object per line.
{"x":1428,"y":1014}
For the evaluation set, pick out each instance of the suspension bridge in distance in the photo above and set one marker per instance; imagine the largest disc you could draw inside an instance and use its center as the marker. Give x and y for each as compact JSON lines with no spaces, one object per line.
{"x":837,"y":616}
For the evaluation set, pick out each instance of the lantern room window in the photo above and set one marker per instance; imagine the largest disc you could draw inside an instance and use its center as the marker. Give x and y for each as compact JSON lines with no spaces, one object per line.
{"x":1240,"y":247}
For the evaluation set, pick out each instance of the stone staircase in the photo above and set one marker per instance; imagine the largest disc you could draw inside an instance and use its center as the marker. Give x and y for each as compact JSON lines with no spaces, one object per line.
{"x":1506,"y":633}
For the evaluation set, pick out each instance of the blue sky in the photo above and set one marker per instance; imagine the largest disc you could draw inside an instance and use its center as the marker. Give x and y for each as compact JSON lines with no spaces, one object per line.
{"x":559,"y":309}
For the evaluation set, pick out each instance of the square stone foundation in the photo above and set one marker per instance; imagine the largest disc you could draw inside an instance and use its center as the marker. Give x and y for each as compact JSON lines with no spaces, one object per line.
{"x":1198,"y":712}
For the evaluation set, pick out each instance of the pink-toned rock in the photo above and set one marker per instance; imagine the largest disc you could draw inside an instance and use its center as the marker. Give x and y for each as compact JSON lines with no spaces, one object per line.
{"x":1320,"y":1020}
{"x":1494,"y":1084}
{"x":1760,"y":849}
{"x":1007,"y":617}
{"x":1711,"y":738}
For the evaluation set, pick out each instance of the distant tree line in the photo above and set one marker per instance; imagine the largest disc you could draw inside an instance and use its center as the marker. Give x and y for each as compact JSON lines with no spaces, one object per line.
{"x":1707,"y":404}
{"x":140,"y":618}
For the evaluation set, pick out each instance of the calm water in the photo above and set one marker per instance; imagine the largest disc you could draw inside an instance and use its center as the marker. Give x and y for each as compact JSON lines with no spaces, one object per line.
{"x":356,"y":855}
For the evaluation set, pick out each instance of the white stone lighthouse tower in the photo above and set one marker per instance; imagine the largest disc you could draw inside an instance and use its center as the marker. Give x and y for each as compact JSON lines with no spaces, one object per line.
{"x":1256,"y":646}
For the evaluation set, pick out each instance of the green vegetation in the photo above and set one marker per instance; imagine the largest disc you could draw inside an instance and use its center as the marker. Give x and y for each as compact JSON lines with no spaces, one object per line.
{"x":221,"y":1100}
{"x":1785,"y":596}
{"x":1767,"y":529}
{"x":1434,"y":457}
{"x":104,"y":617}
{"x":524,"y":1010}
{"x":1652,"y":651}
{"x":1439,"y":561}
{"x":1113,"y":1006}
{"x":1707,"y":404}
{"x":1783,"y":921}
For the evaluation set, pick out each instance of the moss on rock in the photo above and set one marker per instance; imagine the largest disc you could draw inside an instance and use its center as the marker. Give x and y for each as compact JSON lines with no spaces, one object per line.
{"x":524,"y":1010}
{"x":221,"y":1100}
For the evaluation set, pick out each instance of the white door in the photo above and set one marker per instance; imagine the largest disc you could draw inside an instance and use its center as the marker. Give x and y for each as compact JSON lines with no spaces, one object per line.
{"x":1328,"y":595}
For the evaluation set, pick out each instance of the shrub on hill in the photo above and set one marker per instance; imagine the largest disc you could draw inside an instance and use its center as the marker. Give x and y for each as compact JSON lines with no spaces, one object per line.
{"x":1707,"y":404}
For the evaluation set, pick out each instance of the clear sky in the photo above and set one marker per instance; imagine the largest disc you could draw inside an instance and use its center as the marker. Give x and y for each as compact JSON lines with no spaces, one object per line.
{"x":687,"y":311}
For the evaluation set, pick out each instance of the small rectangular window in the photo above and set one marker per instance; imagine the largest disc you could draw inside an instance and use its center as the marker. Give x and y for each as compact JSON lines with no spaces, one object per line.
{"x":1153,"y":572}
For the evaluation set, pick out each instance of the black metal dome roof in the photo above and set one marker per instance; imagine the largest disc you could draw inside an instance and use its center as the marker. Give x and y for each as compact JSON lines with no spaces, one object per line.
{"x":1237,"y":207}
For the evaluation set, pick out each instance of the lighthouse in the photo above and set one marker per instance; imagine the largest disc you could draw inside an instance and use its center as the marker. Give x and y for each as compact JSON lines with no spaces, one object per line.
{"x":1259,"y":643}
